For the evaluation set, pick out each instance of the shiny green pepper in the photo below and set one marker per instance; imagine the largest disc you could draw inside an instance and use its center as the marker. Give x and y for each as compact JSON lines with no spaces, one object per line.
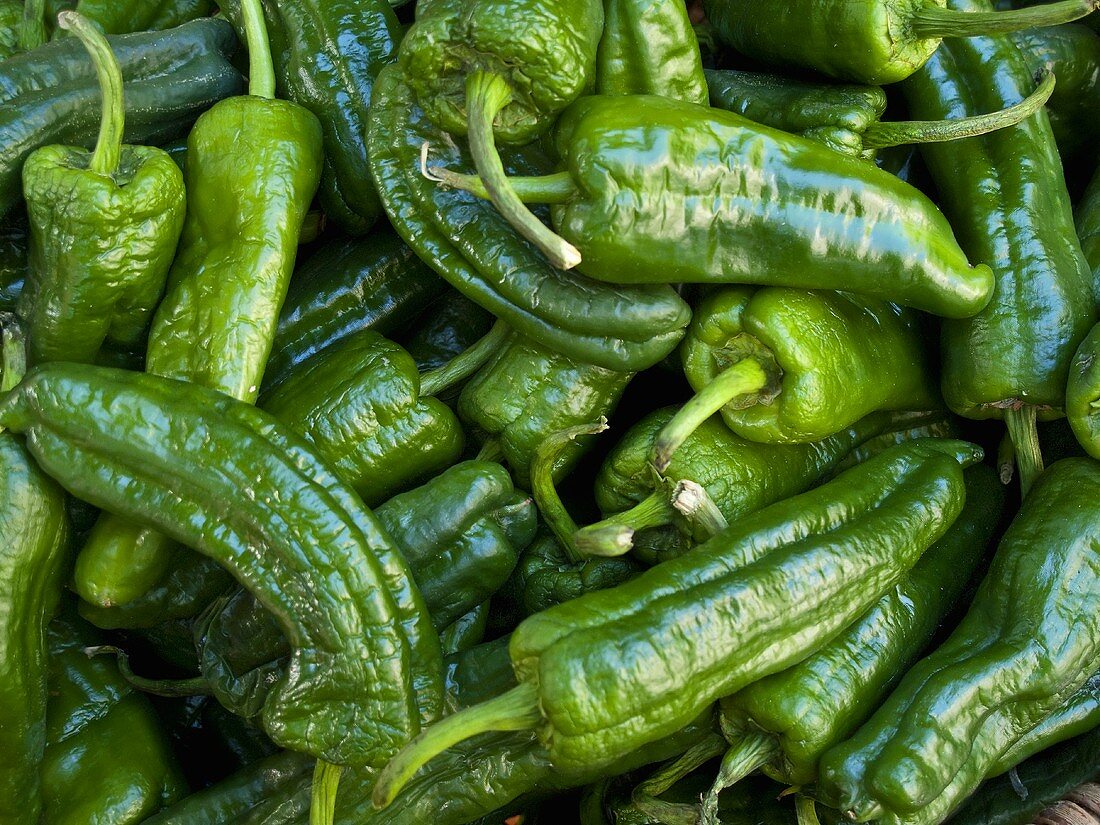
{"x":123,"y":16}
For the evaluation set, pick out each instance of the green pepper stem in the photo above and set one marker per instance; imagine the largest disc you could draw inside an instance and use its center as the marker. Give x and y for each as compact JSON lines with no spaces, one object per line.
{"x":466,"y":363}
{"x":1006,"y":459}
{"x":545,"y":492}
{"x":32,"y":32}
{"x":261,"y":69}
{"x":806,"y":811}
{"x":749,"y":755}
{"x":169,"y":688}
{"x":555,"y":188}
{"x":486,"y":94}
{"x":14,"y":352}
{"x":933,"y":22}
{"x":880,"y":135}
{"x":614,"y":536}
{"x":108,"y":146}
{"x":746,"y":377}
{"x":1024,"y":433}
{"x":516,"y":710}
{"x":322,"y":801}
{"x":692,"y":500}
{"x":491,"y":450}
{"x":713,"y":745}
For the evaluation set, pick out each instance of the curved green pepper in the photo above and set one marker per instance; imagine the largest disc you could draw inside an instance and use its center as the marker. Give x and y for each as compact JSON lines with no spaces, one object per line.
{"x":1088,"y":228}
{"x":649,"y":48}
{"x":875,"y":41}
{"x":104,"y":228}
{"x":614,"y":670}
{"x":1030,"y":639}
{"x":465,"y":632}
{"x":365,"y":664}
{"x":466,"y":241}
{"x":124,"y":16}
{"x":49,"y":95}
{"x":1083,"y":393}
{"x":451,"y":325}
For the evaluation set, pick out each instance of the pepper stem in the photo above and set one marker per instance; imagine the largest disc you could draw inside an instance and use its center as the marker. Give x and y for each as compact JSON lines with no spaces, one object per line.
{"x":169,"y":688}
{"x":644,"y":799}
{"x":749,"y":755}
{"x":466,"y":363}
{"x":261,"y":69}
{"x":933,"y":22}
{"x":1024,"y":433}
{"x":14,"y":352}
{"x":555,"y":188}
{"x":518,"y":709}
{"x":692,"y":501}
{"x":806,"y":811}
{"x":108,"y":146}
{"x":32,"y":32}
{"x":544,"y":491}
{"x":614,"y":536}
{"x":880,"y":135}
{"x":743,"y":378}
{"x":486,"y":94}
{"x":322,"y":801}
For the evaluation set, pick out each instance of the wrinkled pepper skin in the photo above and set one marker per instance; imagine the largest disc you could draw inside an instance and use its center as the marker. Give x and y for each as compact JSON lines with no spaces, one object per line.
{"x":50,"y":95}
{"x":465,"y":632}
{"x":821,"y":701}
{"x":529,"y":392}
{"x":466,"y":241}
{"x":376,"y":282}
{"x":617,"y":669}
{"x":649,"y":48}
{"x":743,"y":203}
{"x":124,"y":16}
{"x":327,"y":55}
{"x":107,"y":758}
{"x":1014,"y":216}
{"x":545,"y":50}
{"x":448,"y":327}
{"x":1029,"y":641}
{"x":1083,"y":393}
{"x":359,"y":403}
{"x":34,"y":527}
{"x":840,"y":358}
{"x":366,"y":662}
{"x":11,"y":19}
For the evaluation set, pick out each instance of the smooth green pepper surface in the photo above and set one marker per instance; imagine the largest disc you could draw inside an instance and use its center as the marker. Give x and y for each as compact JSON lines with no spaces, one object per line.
{"x":123,"y":16}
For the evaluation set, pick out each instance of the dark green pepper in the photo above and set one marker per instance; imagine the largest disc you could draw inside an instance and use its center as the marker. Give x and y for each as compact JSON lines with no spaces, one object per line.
{"x":104,"y":228}
{"x":124,"y":16}
{"x":614,"y":670}
{"x":11,"y":25}
{"x":13,"y":262}
{"x":49,"y":95}
{"x":465,"y":632}
{"x":1088,"y":228}
{"x":1030,"y":639}
{"x":366,"y":661}
{"x":874,"y":41}
{"x":466,"y":241}
{"x":1011,"y":360}
{"x":449,"y":326}
{"x":327,"y":55}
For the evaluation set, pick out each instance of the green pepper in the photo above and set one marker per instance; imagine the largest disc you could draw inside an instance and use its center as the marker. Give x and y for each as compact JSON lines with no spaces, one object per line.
{"x":1012,"y":360}
{"x":104,"y":228}
{"x":719,"y":199}
{"x":49,"y":95}
{"x":875,"y":41}
{"x":1083,"y":393}
{"x":649,"y":48}
{"x":376,"y":282}
{"x":614,"y":670}
{"x":32,"y":556}
{"x":847,"y":118}
{"x":11,"y":25}
{"x":366,"y":662}
{"x":450,"y":325}
{"x":783,"y":723}
{"x":465,"y":632}
{"x":1030,"y":639}
{"x":1088,"y":228}
{"x":13,"y":262}
{"x":327,"y":54}
{"x":475,"y":250}
{"x":124,"y":16}
{"x":107,"y":759}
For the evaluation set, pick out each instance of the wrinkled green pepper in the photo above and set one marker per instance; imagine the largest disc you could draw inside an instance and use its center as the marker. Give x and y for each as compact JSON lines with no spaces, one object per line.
{"x":449,"y":326}
{"x":49,"y":95}
{"x":125,"y":16}
{"x":103,"y":227}
{"x":11,"y":24}
{"x":1029,"y":641}
{"x":366,"y":664}
{"x":1088,"y":228}
{"x":465,"y":632}
{"x":614,"y":670}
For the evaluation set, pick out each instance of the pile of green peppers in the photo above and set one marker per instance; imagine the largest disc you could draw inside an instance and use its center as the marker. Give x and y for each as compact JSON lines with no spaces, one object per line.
{"x":611,"y":412}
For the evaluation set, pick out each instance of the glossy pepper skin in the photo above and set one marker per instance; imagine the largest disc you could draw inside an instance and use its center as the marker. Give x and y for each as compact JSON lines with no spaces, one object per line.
{"x":327,"y":55}
{"x":375,"y":282}
{"x":840,"y":358}
{"x":649,"y":48}
{"x":449,"y":326}
{"x":124,"y":16}
{"x":1083,"y":393}
{"x":13,"y":262}
{"x":819,"y":702}
{"x":607,"y":673}
{"x":1088,"y":228}
{"x":1014,"y":216}
{"x":32,"y":555}
{"x":107,"y":758}
{"x":11,"y":20}
{"x":1029,"y":641}
{"x":359,"y":403}
{"x":720,"y":222}
{"x":366,"y":661}
{"x":49,"y":95}
{"x":465,"y":240}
